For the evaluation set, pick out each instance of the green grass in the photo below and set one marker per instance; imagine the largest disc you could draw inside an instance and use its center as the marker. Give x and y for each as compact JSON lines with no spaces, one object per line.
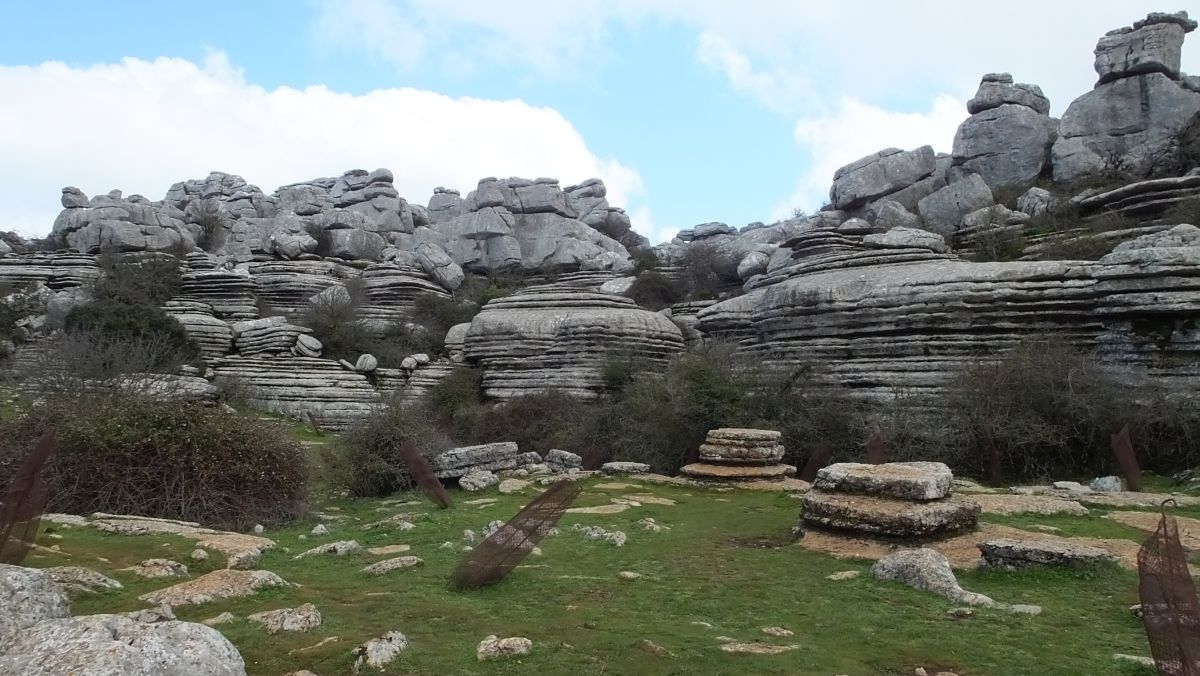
{"x":583,"y":619}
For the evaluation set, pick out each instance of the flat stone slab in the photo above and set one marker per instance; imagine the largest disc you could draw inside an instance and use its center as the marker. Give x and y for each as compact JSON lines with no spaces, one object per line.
{"x":704,"y":470}
{"x":887,"y":516}
{"x":743,"y":436}
{"x":1000,"y":503}
{"x":765,"y":454}
{"x":215,"y":586}
{"x":900,"y":480}
{"x":625,"y":468}
{"x":1014,"y":553}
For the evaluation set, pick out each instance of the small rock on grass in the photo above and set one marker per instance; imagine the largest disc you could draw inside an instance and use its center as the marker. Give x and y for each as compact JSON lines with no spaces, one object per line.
{"x":223,"y":618}
{"x":198,"y":555}
{"x":646,"y":645}
{"x":319,"y":529}
{"x":1024,"y":609}
{"x":843,"y":575}
{"x":341,"y":548}
{"x":298,"y":619}
{"x":158,"y":568}
{"x":379,"y":652}
{"x":1136,"y":659}
{"x":756,"y":648}
{"x":493,"y":648}
{"x":389,"y":565}
{"x":389,"y":549}
{"x":777,"y":631}
{"x":628,"y":575}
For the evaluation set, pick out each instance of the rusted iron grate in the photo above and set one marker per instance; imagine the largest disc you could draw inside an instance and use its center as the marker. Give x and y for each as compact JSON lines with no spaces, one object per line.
{"x":875,"y":448}
{"x":820,"y":457}
{"x":1170,"y":609}
{"x":501,"y":551}
{"x":24,"y":502}
{"x":1122,"y":448}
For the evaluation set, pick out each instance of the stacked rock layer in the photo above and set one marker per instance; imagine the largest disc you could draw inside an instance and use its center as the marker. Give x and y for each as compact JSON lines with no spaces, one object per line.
{"x":731,"y":453}
{"x":908,"y":500}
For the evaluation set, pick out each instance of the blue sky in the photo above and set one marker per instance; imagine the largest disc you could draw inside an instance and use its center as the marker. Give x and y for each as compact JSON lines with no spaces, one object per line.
{"x":692,"y":111}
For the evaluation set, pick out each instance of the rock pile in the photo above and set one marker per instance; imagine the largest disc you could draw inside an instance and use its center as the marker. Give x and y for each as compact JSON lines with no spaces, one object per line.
{"x":908,"y":500}
{"x":494,"y":457}
{"x":731,"y":453}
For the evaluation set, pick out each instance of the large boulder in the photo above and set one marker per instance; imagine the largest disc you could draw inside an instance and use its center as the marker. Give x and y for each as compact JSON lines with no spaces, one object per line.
{"x":38,"y":637}
{"x":920,"y":481}
{"x":1130,"y":126}
{"x":880,"y":174}
{"x":998,"y":89}
{"x":1008,"y":145}
{"x":99,"y":645}
{"x":943,"y":211}
{"x":1152,"y":45}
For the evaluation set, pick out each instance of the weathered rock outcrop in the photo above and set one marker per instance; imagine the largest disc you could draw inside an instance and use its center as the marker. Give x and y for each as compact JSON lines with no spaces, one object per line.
{"x":38,"y":637}
{"x":298,"y":386}
{"x":558,"y":337}
{"x":1007,"y":139}
{"x":1131,"y":123}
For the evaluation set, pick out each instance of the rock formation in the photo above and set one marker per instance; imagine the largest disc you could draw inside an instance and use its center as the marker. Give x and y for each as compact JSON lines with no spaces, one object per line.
{"x":903,"y":499}
{"x":739,"y":454}
{"x":559,"y":336}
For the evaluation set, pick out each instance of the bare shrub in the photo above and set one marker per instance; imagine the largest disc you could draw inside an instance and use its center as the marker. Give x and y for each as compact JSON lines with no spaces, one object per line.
{"x":144,"y":279}
{"x":1051,"y":410}
{"x":706,"y":270}
{"x":79,"y":362}
{"x":655,"y":291}
{"x":146,"y":455}
{"x":368,"y":460}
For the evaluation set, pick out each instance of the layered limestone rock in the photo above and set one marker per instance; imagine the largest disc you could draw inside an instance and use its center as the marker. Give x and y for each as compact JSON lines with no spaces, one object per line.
{"x":267,"y":336}
{"x":493,"y":457}
{"x":558,"y":337}
{"x":299,"y":386}
{"x":57,"y":271}
{"x":1013,"y":553}
{"x":736,"y":453}
{"x":115,"y":223}
{"x":213,"y":336}
{"x":909,"y":500}
{"x":1132,"y":122}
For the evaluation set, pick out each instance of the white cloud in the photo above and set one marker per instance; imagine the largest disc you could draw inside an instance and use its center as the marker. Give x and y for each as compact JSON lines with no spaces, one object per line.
{"x":780,"y":89}
{"x":855,"y":129}
{"x":643,"y":224}
{"x":142,"y":125}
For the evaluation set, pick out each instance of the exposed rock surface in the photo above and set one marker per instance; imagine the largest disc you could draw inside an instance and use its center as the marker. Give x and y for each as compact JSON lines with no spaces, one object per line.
{"x":494,"y":648}
{"x":288,"y":620}
{"x":217,"y":585}
{"x":889,"y":517}
{"x":916,"y":481}
{"x":879,"y":174}
{"x":559,"y":337}
{"x":380,"y":652}
{"x":927,"y":570}
{"x":77,"y":580}
{"x":1011,"y":553}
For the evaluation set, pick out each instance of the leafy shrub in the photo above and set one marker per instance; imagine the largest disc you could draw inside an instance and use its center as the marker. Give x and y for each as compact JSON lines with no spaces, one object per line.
{"x":437,"y":314}
{"x":130,"y":454}
{"x":367,"y":462}
{"x":114,"y":322}
{"x":139,"y":280}
{"x":653,"y":290}
{"x":643,"y":259}
{"x":456,"y":401}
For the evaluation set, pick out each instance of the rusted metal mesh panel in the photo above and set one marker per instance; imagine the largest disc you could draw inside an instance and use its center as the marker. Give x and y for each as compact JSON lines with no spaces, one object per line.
{"x":1169,"y":607}
{"x":24,"y":502}
{"x":875,"y":448}
{"x":1122,"y":448}
{"x":501,"y":551}
{"x":423,"y":475}
{"x":820,"y":457}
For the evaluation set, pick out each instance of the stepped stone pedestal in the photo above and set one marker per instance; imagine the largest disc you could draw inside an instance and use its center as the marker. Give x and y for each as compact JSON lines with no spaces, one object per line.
{"x":740,"y":454}
{"x":902,"y":499}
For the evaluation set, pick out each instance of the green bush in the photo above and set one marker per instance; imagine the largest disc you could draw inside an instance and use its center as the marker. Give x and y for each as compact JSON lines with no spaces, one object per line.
{"x":118,"y":322}
{"x":655,"y":291}
{"x":336,"y":321}
{"x":366,"y":462}
{"x":153,"y":456}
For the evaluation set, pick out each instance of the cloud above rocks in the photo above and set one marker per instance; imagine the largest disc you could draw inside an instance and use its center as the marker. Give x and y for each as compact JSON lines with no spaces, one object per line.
{"x":141,"y":125}
{"x":857,"y":75}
